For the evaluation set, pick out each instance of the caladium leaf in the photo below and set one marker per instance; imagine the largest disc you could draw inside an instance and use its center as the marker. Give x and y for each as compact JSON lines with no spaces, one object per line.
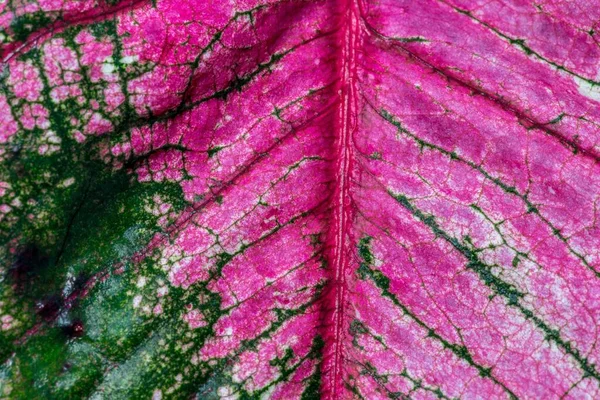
{"x":299,"y":199}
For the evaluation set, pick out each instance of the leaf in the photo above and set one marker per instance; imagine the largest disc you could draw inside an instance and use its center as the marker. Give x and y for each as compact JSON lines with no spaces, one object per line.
{"x":299,"y":199}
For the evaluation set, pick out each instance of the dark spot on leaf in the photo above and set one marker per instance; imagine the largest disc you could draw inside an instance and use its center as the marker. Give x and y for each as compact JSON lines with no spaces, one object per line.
{"x":75,"y":330}
{"x":29,"y":262}
{"x":49,"y":307}
{"x":66,"y":367}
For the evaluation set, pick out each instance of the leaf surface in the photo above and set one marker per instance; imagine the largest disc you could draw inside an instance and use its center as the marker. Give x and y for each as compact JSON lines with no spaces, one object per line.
{"x":299,"y":199}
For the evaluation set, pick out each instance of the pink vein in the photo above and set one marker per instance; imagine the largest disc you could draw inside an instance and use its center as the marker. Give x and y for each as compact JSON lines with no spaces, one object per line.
{"x":341,"y":245}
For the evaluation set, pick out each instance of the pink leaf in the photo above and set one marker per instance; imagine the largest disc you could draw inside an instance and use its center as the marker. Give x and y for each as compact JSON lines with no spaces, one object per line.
{"x":299,"y":199}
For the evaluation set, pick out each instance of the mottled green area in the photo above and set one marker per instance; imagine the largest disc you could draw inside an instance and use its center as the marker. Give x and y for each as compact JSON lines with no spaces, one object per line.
{"x":80,"y":232}
{"x":51,"y":367}
{"x":78,"y":216}
{"x":127,"y":351}
{"x":95,"y":315}
{"x":22,"y":26}
{"x":74,"y":211}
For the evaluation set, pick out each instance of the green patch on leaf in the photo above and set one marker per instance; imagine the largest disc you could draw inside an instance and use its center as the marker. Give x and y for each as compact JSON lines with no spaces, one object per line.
{"x":25,"y":24}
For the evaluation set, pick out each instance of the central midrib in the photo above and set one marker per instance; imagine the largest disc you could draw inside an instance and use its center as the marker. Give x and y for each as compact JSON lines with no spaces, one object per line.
{"x":339,"y":238}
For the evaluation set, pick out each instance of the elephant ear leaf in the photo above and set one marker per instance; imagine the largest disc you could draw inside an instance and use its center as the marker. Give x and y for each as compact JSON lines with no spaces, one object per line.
{"x":299,"y":199}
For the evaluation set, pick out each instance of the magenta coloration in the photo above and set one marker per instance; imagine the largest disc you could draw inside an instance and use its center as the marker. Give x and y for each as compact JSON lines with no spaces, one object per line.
{"x":382,"y":199}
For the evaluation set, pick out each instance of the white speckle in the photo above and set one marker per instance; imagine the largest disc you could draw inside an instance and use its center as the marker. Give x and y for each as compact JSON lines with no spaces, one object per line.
{"x":157,"y":395}
{"x":268,"y":394}
{"x":54,"y":96}
{"x":163,"y":290}
{"x":137,"y":300}
{"x":68,"y":182}
{"x":107,"y":68}
{"x":224,"y":391}
{"x":588,"y":89}
{"x":7,"y":322}
{"x":129,"y":59}
{"x":179,"y":378}
{"x":228,"y":331}
{"x":51,"y":137}
{"x":141,"y":282}
{"x":173,"y":270}
{"x":317,"y":61}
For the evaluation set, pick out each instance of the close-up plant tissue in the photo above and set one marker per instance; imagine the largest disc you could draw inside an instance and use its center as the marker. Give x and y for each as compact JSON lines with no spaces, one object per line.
{"x":299,"y":199}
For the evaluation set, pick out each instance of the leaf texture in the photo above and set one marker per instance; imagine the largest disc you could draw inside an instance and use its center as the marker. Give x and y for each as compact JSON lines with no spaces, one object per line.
{"x":299,"y":199}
